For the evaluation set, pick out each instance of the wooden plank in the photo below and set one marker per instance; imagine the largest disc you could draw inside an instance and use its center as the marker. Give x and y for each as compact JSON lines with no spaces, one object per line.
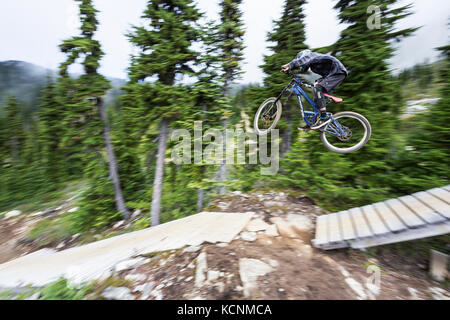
{"x":362,"y":229}
{"x":438,"y":205}
{"x":376,"y":224}
{"x":321,"y":230}
{"x":389,"y":218}
{"x":440,"y":193}
{"x":425,"y":212}
{"x":348,"y":231}
{"x":405,"y":214}
{"x":334,"y":232}
{"x":430,"y":230}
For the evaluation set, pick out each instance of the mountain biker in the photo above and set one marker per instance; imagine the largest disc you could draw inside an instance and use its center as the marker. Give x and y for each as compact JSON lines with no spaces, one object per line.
{"x":333,"y":73}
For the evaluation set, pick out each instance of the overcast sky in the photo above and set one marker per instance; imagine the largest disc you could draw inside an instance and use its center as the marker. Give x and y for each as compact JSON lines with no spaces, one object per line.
{"x":31,"y":30}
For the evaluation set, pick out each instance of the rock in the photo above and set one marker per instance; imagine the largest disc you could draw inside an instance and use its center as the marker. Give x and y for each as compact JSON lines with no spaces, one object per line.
{"x":61,"y":245}
{"x":439,"y":294}
{"x":248,"y":236}
{"x":136,"y":213}
{"x":117,"y":293}
{"x":257,"y":225}
{"x":284,"y":228}
{"x":413,"y":293}
{"x":189,"y":279}
{"x":129,"y":264}
{"x":220,"y":286}
{"x":37,"y":214}
{"x":306,"y":250}
{"x":73,"y":209}
{"x":357,"y":288}
{"x":239,"y":288}
{"x":136,"y":277}
{"x":75,"y":236}
{"x":249,"y":271}
{"x":13,"y":214}
{"x":192,"y":249}
{"x":299,"y":222}
{"x":273,"y":204}
{"x":273,"y":263}
{"x":146,"y":290}
{"x":271,"y":231}
{"x":236,"y":193}
{"x":201,"y":270}
{"x":222,"y":244}
{"x":118,"y":224}
{"x":48,"y":212}
{"x":223,"y":205}
{"x":157,"y":292}
{"x":213,"y":275}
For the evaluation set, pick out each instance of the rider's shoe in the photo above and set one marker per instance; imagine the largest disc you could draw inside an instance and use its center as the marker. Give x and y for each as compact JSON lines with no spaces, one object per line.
{"x":321,"y":122}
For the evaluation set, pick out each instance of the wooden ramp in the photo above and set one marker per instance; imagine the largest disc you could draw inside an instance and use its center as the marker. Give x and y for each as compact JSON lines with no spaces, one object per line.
{"x":420,"y":215}
{"x":96,"y":259}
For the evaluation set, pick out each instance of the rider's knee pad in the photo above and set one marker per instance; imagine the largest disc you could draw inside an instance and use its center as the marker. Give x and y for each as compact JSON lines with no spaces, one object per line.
{"x":318,"y":94}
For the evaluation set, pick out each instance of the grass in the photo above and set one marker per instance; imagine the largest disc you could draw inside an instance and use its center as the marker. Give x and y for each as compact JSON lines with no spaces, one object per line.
{"x":48,"y":232}
{"x":63,"y":290}
{"x":47,"y":200}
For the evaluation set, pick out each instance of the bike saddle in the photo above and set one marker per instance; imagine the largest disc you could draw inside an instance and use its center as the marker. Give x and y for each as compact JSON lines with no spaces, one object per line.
{"x":335,"y":99}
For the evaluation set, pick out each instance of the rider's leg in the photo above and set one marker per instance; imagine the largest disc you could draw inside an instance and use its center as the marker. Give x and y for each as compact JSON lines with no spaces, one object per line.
{"x":320,"y":100}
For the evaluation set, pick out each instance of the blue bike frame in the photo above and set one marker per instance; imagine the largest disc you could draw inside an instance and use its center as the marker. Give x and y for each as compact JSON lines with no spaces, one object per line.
{"x":299,"y":92}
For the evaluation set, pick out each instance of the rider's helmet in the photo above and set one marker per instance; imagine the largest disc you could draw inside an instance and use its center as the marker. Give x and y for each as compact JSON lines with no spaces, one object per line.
{"x":303,"y":53}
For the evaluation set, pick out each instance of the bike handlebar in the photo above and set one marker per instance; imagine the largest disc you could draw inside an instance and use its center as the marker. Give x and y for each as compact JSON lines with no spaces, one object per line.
{"x":296,"y":77}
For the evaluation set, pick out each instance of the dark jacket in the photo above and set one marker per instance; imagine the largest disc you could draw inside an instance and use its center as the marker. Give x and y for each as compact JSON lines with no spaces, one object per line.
{"x":322,"y":64}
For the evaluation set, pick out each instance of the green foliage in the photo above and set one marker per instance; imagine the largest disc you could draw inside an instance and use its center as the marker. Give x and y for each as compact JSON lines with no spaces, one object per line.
{"x":48,"y":232}
{"x":425,"y":163}
{"x":359,"y":178}
{"x":141,"y":224}
{"x":61,"y":290}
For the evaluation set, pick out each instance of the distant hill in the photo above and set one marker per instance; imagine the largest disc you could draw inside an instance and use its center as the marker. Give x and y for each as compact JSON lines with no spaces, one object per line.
{"x":25,"y":80}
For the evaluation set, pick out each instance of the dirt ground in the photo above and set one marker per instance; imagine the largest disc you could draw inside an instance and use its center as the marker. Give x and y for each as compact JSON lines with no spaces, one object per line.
{"x":12,"y":232}
{"x":300,"y":271}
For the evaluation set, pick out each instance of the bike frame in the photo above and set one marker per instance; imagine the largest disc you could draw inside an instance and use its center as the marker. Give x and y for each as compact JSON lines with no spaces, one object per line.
{"x":296,"y":87}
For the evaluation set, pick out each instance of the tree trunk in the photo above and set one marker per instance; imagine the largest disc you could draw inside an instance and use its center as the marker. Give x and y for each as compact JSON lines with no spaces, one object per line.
{"x":223,"y":165}
{"x":159,"y":174}
{"x":112,"y":163}
{"x":200,"y":198}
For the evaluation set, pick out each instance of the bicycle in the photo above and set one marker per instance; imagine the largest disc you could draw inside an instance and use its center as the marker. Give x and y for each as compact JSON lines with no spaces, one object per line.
{"x":339,"y":135}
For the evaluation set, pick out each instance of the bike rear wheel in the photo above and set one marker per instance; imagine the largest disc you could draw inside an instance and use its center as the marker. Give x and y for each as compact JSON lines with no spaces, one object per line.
{"x":267,"y":116}
{"x":357,"y":132}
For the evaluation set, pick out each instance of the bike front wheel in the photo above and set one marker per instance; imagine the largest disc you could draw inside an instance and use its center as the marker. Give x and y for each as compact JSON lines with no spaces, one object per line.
{"x":348,"y":133}
{"x":267,"y":116}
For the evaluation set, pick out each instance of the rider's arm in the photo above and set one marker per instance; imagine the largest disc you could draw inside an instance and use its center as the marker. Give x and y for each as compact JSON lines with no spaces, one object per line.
{"x":300,"y":62}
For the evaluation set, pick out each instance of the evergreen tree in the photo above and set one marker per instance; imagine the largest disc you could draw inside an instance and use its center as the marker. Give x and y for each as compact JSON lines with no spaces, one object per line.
{"x":50,"y":134}
{"x":425,"y":164}
{"x":89,"y":116}
{"x":289,"y":38}
{"x":166,"y":53}
{"x":13,"y":132}
{"x":370,"y":90}
{"x":230,"y":37}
